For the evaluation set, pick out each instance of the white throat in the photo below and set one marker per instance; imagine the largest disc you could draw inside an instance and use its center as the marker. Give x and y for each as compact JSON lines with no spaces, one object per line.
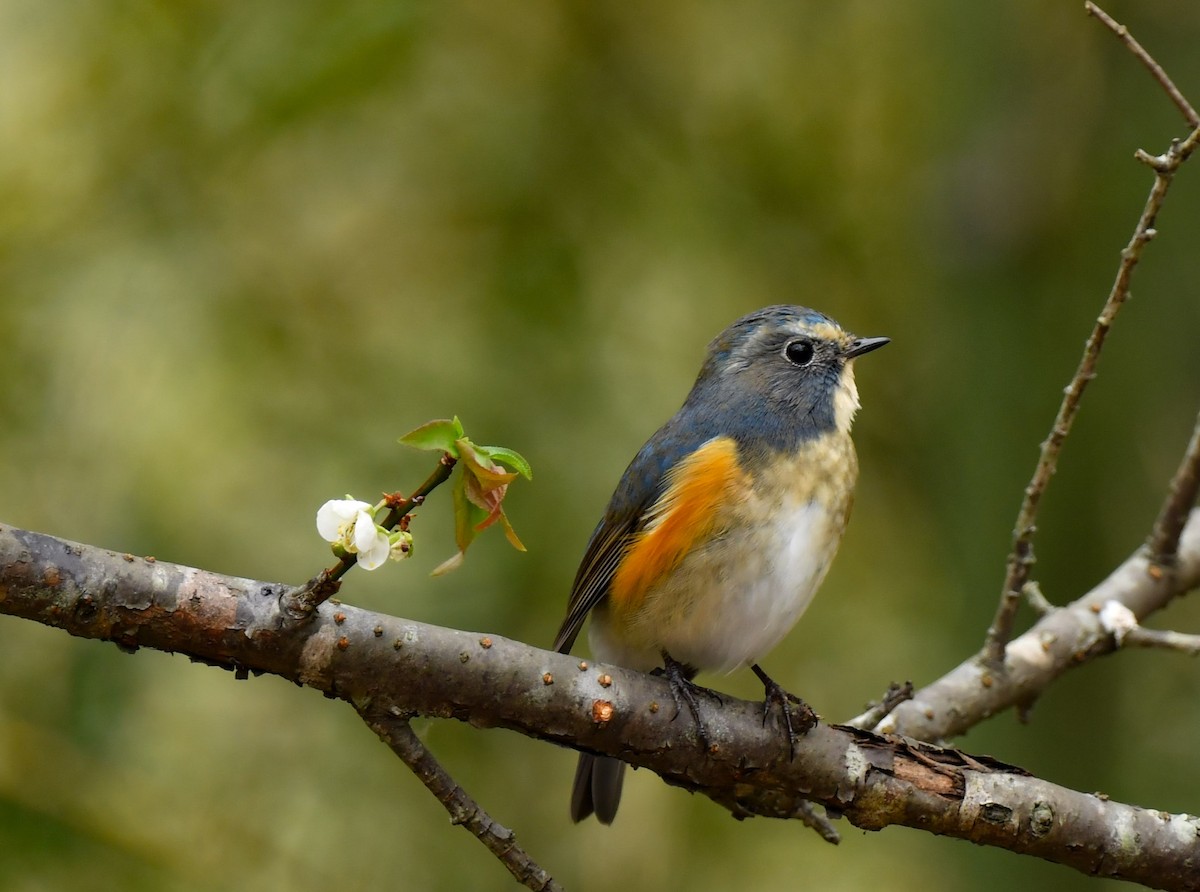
{"x":845,"y":400}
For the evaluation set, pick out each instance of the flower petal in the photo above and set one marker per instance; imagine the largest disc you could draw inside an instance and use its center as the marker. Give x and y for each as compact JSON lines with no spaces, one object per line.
{"x":377,"y":553}
{"x":364,"y":531}
{"x":334,"y":515}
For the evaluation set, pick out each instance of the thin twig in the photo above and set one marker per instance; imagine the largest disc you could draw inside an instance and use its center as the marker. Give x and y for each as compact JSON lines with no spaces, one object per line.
{"x":1146,"y":59}
{"x":464,"y":811}
{"x":1021,"y":558}
{"x":303,"y":600}
{"x":877,"y":712}
{"x":1142,"y":637}
{"x":401,"y":507}
{"x":1181,"y":496}
{"x":1035,"y":598}
{"x":1164,"y":539}
{"x":821,"y":821}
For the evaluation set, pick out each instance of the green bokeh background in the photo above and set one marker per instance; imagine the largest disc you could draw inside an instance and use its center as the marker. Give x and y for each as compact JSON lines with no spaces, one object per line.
{"x":245,"y":246}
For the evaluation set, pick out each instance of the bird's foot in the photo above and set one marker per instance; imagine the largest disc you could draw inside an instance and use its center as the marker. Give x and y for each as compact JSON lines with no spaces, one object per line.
{"x":683,"y":692}
{"x":796,"y":721}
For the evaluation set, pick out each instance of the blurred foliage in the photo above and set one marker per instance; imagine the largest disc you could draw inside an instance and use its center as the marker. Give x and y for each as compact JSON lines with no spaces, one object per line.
{"x":245,"y":246}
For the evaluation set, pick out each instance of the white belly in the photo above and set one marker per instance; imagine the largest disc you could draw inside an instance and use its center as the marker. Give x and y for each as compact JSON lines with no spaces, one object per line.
{"x":734,"y":599}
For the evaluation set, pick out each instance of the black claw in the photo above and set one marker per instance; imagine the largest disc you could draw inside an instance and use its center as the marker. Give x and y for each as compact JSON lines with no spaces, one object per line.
{"x":774,"y":694}
{"x":683,"y":692}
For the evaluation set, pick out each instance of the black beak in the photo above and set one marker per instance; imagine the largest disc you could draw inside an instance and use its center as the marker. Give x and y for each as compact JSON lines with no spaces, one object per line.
{"x":864,"y":345}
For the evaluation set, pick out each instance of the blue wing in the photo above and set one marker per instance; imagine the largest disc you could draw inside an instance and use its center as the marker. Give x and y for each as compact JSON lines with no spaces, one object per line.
{"x":641,"y":485}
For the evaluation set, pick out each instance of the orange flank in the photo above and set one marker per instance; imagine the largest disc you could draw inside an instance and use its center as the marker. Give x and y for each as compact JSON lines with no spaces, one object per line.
{"x":698,"y":489}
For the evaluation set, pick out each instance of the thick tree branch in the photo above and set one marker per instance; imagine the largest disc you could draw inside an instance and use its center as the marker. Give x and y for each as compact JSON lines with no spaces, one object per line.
{"x":1062,"y":639}
{"x":394,"y":667}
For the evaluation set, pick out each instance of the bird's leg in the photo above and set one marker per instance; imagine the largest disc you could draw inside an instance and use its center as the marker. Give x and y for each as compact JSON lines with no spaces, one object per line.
{"x":683,"y":692}
{"x":775,"y":694}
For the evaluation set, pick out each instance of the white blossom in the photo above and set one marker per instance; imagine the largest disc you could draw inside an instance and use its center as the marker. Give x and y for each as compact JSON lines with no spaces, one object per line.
{"x":371,"y":542}
{"x":350,"y":524}
{"x":336,"y":518}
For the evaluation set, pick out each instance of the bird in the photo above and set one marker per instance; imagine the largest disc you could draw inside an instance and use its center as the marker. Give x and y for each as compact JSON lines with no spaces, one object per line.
{"x":724,"y":524}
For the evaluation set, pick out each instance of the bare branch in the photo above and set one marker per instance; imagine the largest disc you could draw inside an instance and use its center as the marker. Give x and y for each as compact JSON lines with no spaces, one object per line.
{"x":1061,"y":640}
{"x":1120,"y":622}
{"x":877,"y":712}
{"x":1181,"y":496}
{"x":1156,"y":71}
{"x":1143,"y":637}
{"x":1021,"y":557}
{"x":400,"y":668}
{"x":1036,"y":600}
{"x":396,"y":732}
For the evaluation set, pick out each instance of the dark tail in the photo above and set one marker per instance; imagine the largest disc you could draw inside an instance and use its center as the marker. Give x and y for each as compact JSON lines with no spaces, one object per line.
{"x":597,"y":788}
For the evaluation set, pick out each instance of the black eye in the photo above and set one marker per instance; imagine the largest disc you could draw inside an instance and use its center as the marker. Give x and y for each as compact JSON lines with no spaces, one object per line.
{"x":799,"y":352}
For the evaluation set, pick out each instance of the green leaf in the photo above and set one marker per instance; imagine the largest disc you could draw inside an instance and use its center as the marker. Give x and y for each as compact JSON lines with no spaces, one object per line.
{"x":439,"y":435}
{"x":468,"y":519}
{"x":479,"y":488}
{"x":489,"y":475}
{"x":464,"y":528}
{"x":510,"y":457}
{"x":463,"y":533}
